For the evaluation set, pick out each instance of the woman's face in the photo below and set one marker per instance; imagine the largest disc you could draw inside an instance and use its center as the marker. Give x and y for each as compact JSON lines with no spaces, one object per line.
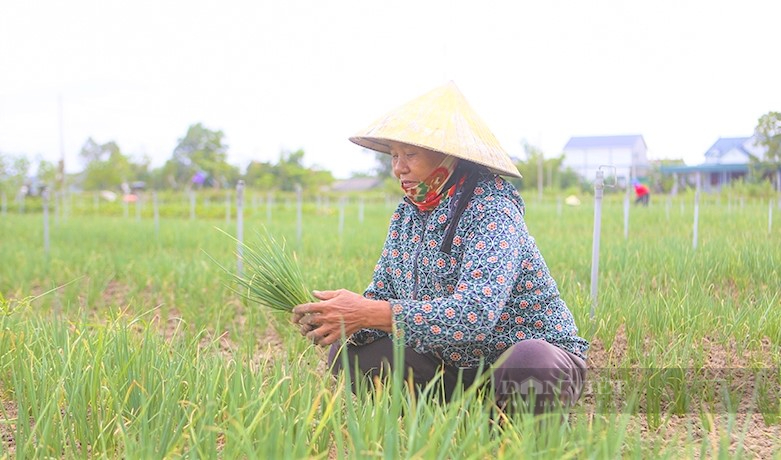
{"x":412,"y":164}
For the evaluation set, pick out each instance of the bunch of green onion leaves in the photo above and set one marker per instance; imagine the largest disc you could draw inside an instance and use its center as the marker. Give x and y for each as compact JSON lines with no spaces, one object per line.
{"x":271,"y":276}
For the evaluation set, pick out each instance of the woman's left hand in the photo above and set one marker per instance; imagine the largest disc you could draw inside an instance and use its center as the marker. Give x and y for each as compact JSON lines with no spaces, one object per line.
{"x":322,"y":322}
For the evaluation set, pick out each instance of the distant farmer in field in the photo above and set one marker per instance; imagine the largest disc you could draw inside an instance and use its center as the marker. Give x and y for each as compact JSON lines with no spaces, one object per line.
{"x":642,"y":194}
{"x":459,"y":281}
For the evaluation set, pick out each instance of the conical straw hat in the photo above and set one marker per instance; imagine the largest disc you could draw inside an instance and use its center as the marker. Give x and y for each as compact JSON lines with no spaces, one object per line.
{"x":440,"y":120}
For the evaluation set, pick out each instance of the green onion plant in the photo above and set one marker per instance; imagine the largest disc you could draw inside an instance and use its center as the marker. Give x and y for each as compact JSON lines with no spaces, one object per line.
{"x":271,"y":275}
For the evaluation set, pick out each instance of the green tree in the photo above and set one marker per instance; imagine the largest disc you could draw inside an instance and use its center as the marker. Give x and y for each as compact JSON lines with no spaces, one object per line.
{"x":662,"y":182}
{"x":288,"y":172}
{"x":768,"y":136}
{"x":47,"y":172}
{"x":91,"y":151}
{"x":384,"y":166}
{"x":106,"y":166}
{"x":201,"y":150}
{"x":4,"y":170}
{"x":260,"y":175}
{"x":318,"y":177}
{"x":141,"y":169}
{"x":291,"y":171}
{"x":549,"y":170}
{"x":13,"y":172}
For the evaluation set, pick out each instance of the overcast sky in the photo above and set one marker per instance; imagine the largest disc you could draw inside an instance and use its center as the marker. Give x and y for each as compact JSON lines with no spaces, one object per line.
{"x":290,"y":74}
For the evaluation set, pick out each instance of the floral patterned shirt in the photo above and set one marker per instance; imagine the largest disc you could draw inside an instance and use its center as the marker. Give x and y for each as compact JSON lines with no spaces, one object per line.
{"x":491,"y":291}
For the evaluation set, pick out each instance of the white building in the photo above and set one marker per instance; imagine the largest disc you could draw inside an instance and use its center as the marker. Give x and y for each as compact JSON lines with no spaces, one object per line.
{"x":627,"y":154}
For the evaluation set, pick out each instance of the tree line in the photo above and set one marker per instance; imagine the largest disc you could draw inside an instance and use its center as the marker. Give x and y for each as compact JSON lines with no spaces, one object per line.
{"x":200,"y":160}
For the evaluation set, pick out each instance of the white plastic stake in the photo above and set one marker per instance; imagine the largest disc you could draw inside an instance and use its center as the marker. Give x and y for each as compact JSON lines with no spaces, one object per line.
{"x":599,"y":186}
{"x":299,"y":210}
{"x":58,"y":203}
{"x":778,"y":186}
{"x":192,"y":205}
{"x":667,"y":207}
{"x":156,"y":213}
{"x":227,"y":208}
{"x":696,"y":212}
{"x":626,"y":214}
{"x":46,"y":222}
{"x":56,"y":208}
{"x":269,"y":205}
{"x":341,"y":215}
{"x":240,"y":226}
{"x":20,"y":202}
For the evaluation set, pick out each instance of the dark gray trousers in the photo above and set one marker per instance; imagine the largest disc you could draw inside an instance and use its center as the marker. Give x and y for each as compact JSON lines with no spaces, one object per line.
{"x":530,"y":367}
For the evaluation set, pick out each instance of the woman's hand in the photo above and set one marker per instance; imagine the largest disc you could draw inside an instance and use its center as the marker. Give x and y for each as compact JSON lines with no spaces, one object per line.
{"x":322,"y":322}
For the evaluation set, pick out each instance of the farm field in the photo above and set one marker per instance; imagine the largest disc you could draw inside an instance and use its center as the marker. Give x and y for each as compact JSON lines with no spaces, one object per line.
{"x":123,"y":340}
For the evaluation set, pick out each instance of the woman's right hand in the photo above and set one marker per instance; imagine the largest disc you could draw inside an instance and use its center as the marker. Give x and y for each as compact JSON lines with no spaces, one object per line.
{"x":340,"y":312}
{"x":305,"y":325}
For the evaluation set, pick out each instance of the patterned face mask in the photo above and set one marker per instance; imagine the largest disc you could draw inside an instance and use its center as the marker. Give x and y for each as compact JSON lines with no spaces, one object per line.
{"x":427,"y":194}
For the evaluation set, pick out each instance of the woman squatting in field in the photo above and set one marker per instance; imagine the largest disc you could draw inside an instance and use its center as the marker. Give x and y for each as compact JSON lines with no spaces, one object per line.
{"x":460,"y":281}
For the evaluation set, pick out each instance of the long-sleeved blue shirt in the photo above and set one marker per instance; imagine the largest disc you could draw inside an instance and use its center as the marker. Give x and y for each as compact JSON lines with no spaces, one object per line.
{"x":492,"y":290}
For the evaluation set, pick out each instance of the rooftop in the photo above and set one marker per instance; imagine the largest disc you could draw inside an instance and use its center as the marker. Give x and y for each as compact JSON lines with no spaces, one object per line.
{"x":604,"y":141}
{"x":356,"y":184}
{"x":725,"y":144}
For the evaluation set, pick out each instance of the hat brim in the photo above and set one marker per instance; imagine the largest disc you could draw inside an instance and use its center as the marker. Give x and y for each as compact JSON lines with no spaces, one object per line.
{"x":442,"y":121}
{"x":382,"y":145}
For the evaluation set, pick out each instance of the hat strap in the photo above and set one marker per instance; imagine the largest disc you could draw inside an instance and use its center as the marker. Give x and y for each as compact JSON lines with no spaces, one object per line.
{"x":464,"y":197}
